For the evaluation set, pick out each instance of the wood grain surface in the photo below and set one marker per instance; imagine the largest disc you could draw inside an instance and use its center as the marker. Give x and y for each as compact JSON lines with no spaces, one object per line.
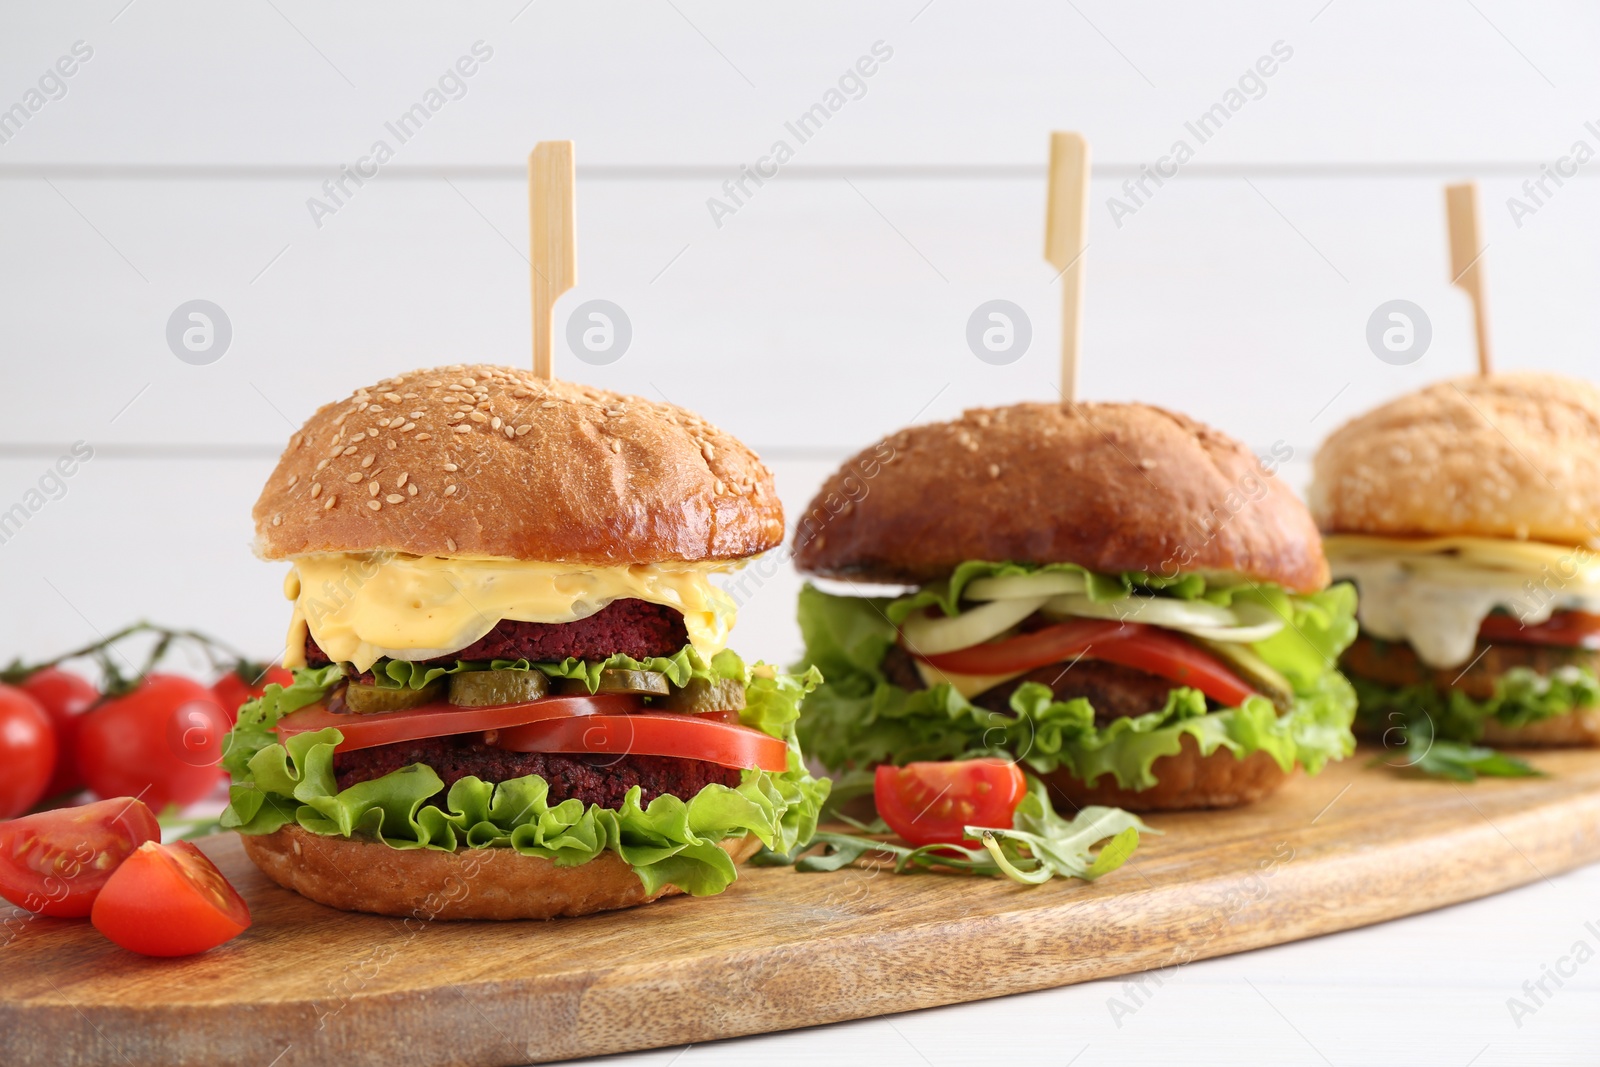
{"x":308,"y":985}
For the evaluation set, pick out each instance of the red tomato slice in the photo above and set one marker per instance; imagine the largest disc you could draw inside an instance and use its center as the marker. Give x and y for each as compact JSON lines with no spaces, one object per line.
{"x":1569,"y":629}
{"x":932,"y":803}
{"x":169,"y":900}
{"x":443,"y":720}
{"x":656,"y":733}
{"x":27,"y":751}
{"x":64,"y":696}
{"x":56,"y":862}
{"x":1131,"y":644}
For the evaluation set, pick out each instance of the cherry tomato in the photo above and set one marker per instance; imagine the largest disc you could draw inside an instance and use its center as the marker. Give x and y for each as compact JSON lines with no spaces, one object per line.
{"x":64,"y":696}
{"x":27,"y":751}
{"x":1131,"y":644}
{"x":1569,"y":629}
{"x":932,"y":803}
{"x":56,"y":862}
{"x":652,"y":734}
{"x":161,"y":743}
{"x":169,"y":900}
{"x":234,"y":689}
{"x":443,"y":720}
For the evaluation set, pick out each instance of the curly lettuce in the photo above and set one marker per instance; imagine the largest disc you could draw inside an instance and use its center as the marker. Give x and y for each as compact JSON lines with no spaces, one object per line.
{"x":1521,"y":696}
{"x":671,"y":841}
{"x":857,"y":718}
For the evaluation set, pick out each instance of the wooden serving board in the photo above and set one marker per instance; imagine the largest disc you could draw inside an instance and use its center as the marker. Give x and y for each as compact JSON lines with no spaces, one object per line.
{"x":309,"y":985}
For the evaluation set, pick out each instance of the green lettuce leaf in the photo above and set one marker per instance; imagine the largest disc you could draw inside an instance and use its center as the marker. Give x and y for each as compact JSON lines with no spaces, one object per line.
{"x":1521,"y":696}
{"x":671,"y":841}
{"x":857,"y":718}
{"x":682,"y":665}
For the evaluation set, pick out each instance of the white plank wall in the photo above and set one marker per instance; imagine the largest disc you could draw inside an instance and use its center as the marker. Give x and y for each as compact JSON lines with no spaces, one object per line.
{"x":176,"y":163}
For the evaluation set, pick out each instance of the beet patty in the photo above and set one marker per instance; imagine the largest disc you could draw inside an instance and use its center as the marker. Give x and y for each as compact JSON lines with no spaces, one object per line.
{"x":593,"y":779}
{"x":634,"y":628}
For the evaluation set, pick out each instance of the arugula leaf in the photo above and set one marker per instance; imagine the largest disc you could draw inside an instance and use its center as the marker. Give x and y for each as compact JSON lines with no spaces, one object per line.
{"x":1521,"y":696}
{"x":1419,"y":749}
{"x":1038,"y":846}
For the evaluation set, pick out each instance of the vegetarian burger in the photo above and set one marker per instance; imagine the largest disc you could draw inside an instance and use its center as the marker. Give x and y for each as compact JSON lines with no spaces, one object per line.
{"x":1469,"y":516}
{"x":1118,"y":596}
{"x":512,"y":696}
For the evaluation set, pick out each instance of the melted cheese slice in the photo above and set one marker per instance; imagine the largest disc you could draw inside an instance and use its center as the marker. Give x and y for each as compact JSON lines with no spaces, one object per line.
{"x":968,"y":685}
{"x":1434,"y":593}
{"x":363,"y":607}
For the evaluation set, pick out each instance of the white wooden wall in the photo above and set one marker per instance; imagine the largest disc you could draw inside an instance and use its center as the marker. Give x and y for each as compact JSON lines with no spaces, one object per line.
{"x":829,"y":308}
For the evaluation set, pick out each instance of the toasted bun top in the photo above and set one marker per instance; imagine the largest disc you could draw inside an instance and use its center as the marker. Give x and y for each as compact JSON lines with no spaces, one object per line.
{"x":493,"y":461}
{"x":1510,"y":455}
{"x":1112,"y":487}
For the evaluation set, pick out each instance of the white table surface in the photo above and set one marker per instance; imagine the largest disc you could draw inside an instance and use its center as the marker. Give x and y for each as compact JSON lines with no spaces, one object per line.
{"x":830,"y":309}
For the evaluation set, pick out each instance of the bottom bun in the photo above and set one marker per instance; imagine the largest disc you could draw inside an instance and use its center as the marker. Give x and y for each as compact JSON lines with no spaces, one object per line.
{"x":1576,"y":729}
{"x":1184,"y":782}
{"x":360,"y":874}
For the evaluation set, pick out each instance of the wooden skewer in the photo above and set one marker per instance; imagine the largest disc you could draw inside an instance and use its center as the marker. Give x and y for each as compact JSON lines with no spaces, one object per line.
{"x":552,"y":248}
{"x":1065,"y":229}
{"x":1466,"y":260}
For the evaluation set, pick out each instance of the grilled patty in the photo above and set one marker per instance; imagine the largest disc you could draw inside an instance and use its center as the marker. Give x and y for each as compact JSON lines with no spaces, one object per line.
{"x":1115,"y":692}
{"x":1395,"y":663}
{"x":634,"y":628}
{"x":593,"y":779}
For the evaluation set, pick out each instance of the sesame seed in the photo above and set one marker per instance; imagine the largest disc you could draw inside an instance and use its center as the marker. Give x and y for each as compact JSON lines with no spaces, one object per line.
{"x":450,"y":544}
{"x":510,"y":432}
{"x":456,"y":416}
{"x":616,"y":445}
{"x":322,"y":464}
{"x":478,"y":416}
{"x":548,"y":404}
{"x":417,"y":414}
{"x":366,"y":461}
{"x":374,"y":407}
{"x":994,"y":470}
{"x":277,"y":520}
{"x":450,"y":467}
{"x":293,"y":480}
{"x":401,"y":481}
{"x":353,"y":477}
{"x":395,"y":498}
{"x":316,"y":490}
{"x":433,"y":383}
{"x":372,"y":488}
{"x":374,"y":504}
{"x":333,"y":498}
{"x":423,"y":436}
{"x":408,"y":427}
{"x":720,"y":487}
{"x":494,"y":423}
{"x":391,"y":445}
{"x":412,"y":489}
{"x":463,"y":428}
{"x":522,"y":393}
{"x":393,"y":398}
{"x":469,"y":382}
{"x":350,"y":451}
{"x":522,"y":430}
{"x":449,"y":490}
{"x":707,"y":451}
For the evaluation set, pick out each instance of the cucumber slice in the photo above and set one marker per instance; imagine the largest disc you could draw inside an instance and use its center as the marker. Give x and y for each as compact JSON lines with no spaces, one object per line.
{"x":1023,"y":586}
{"x":482,"y":689}
{"x":704,"y":694}
{"x":374,"y":699}
{"x":643,"y":683}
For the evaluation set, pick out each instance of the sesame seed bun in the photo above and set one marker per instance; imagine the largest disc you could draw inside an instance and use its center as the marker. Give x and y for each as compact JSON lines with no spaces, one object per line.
{"x":356,"y":874}
{"x":1511,"y":455}
{"x":1111,"y":487}
{"x":492,"y":461}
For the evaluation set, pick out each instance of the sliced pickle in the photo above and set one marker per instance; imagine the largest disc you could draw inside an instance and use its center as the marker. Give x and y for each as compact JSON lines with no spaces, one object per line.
{"x":1255,"y":671}
{"x":704,"y":695}
{"x":479,"y":689}
{"x":371,"y":699}
{"x":642,"y":683}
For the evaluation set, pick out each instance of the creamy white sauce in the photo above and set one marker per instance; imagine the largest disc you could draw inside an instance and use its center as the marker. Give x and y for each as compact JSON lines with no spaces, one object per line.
{"x":1437,"y":604}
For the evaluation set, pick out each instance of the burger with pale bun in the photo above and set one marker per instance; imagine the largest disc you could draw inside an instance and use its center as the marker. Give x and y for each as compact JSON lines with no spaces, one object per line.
{"x":513,"y":696}
{"x":1121,"y":598}
{"x":1468,"y":514}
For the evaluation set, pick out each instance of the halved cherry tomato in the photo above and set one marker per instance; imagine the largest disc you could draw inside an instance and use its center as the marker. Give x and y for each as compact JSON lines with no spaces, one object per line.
{"x":64,"y":696}
{"x":56,"y":862}
{"x":658,"y":733}
{"x":443,"y":720}
{"x":1569,"y":629}
{"x":169,"y":900}
{"x":932,"y":803}
{"x":244,"y":684}
{"x":161,"y":743}
{"x":1131,"y":644}
{"x":27,"y":751}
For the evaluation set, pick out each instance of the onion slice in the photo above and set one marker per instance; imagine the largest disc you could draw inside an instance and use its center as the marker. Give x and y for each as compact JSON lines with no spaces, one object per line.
{"x":928,"y":635}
